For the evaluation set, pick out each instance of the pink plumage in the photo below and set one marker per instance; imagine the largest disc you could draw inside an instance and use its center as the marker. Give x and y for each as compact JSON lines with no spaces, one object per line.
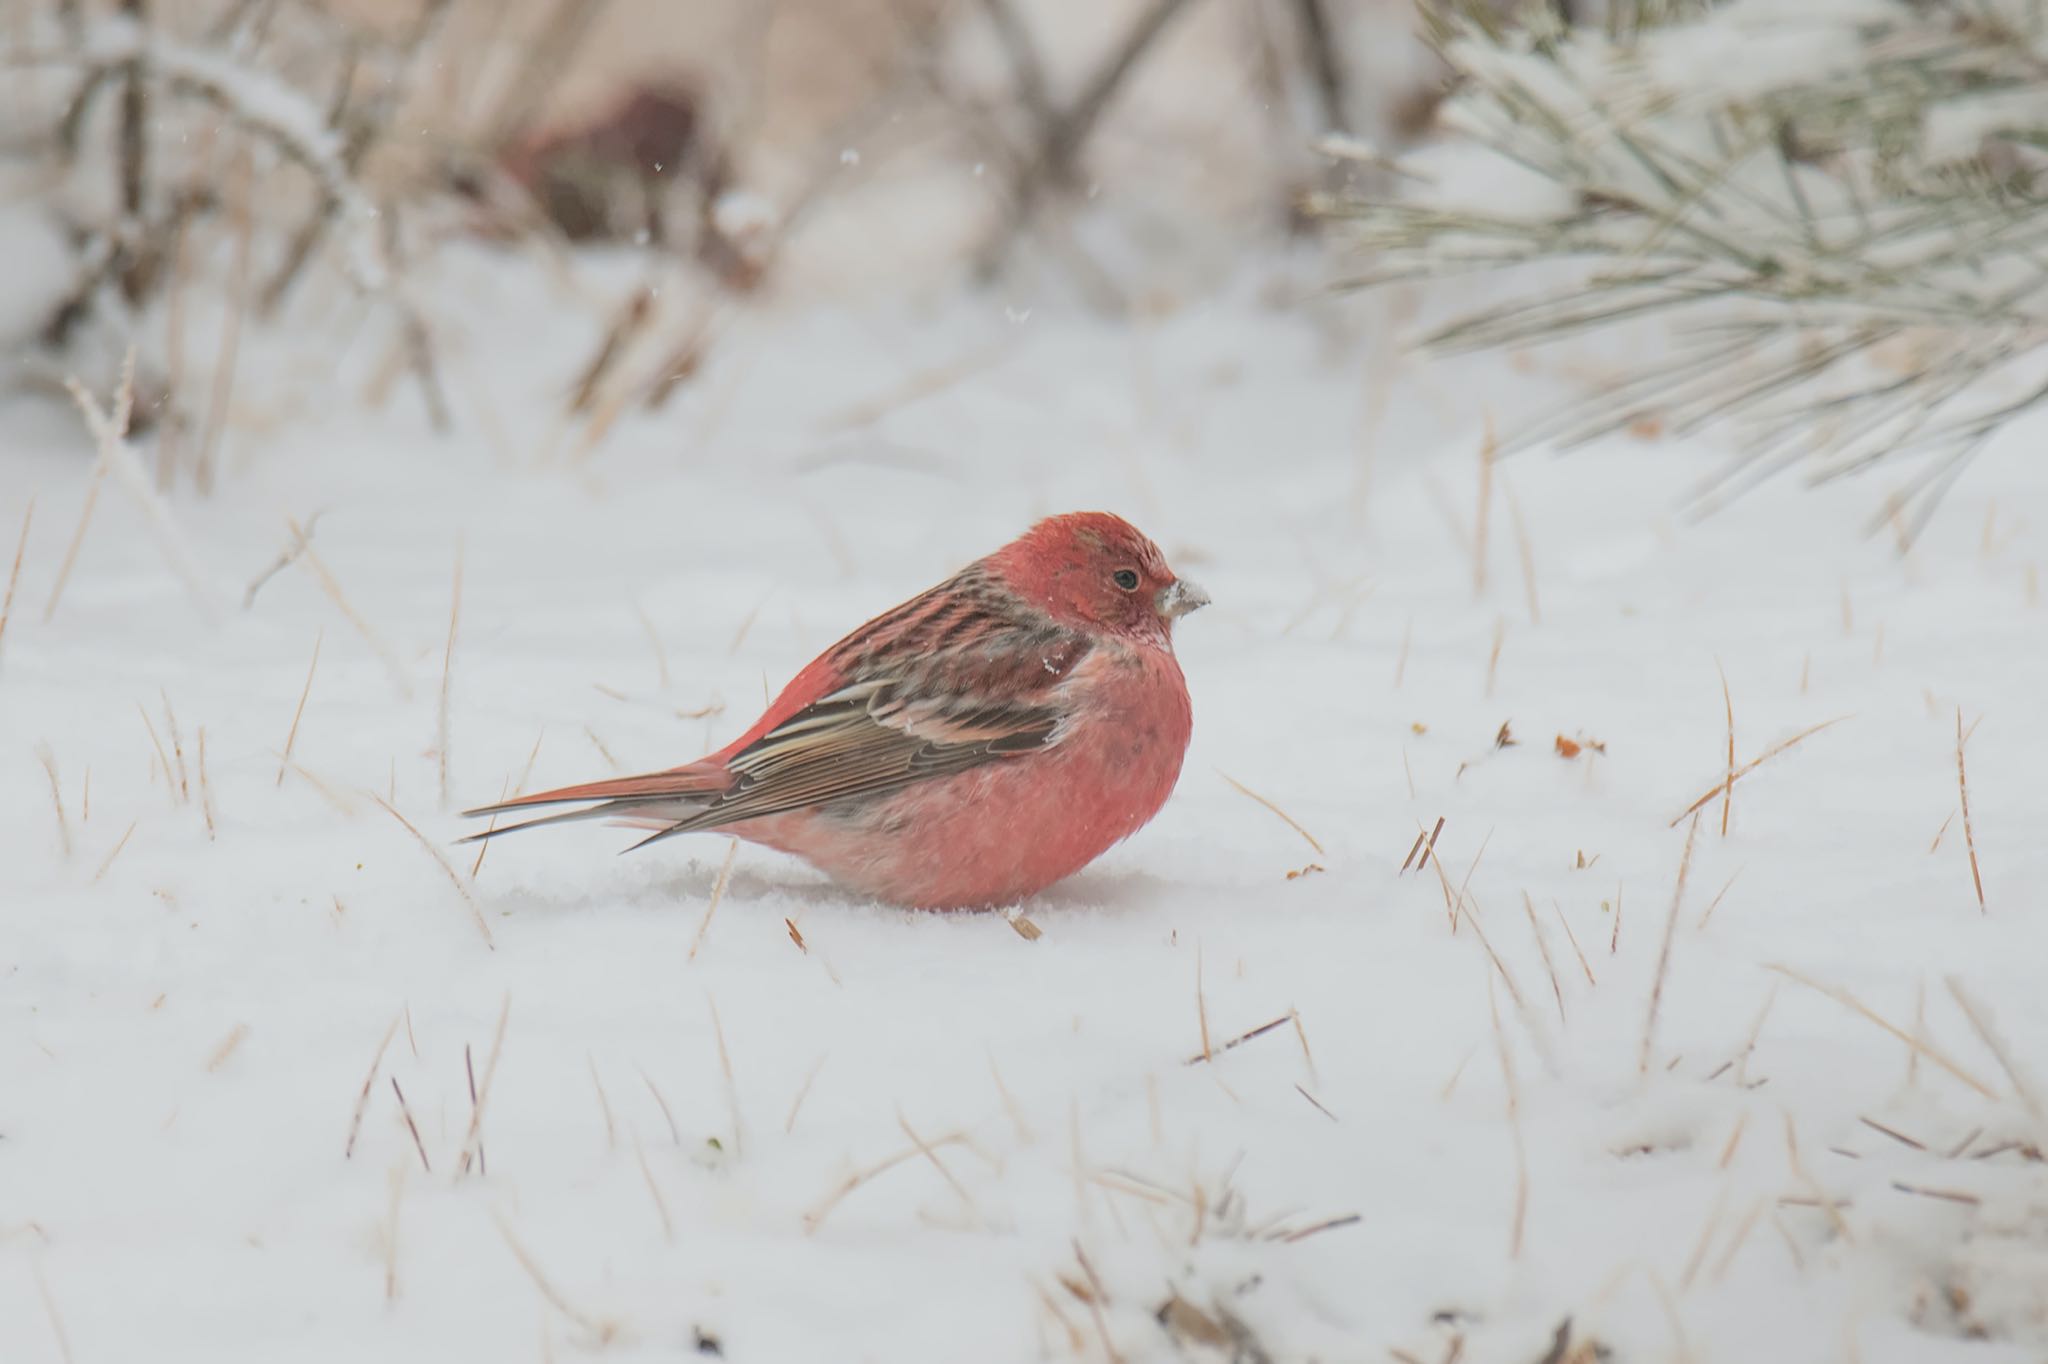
{"x":965,"y":750}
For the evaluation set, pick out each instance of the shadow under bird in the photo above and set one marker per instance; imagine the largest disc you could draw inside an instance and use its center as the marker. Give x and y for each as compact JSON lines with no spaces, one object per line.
{"x":965,"y":750}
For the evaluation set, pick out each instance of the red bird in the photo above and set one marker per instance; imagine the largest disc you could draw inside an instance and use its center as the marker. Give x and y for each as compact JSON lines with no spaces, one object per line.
{"x":965,"y":750}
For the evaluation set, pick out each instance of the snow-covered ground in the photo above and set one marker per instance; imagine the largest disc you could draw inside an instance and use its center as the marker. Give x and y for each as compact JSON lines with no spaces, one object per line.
{"x":1610,"y":1087}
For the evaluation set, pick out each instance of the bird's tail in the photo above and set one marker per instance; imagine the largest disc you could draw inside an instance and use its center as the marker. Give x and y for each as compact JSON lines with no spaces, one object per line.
{"x":653,"y":800}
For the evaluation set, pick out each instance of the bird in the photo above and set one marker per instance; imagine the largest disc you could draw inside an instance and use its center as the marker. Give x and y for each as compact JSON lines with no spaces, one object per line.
{"x":962,"y":751}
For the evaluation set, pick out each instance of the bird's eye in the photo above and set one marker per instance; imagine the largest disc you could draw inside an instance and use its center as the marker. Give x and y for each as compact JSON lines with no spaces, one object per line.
{"x":1125,"y":579}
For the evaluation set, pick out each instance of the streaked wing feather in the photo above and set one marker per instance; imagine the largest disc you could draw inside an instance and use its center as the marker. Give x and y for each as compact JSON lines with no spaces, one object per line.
{"x":891,"y":729}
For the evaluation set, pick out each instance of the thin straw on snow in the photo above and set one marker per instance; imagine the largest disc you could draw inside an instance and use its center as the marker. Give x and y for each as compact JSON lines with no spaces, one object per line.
{"x":472,"y":1143}
{"x":292,"y":735}
{"x":602,"y":1329}
{"x":1980,"y":1022}
{"x":310,"y":559}
{"x":1858,"y":1007}
{"x":604,"y":1105}
{"x":355,"y":1124}
{"x":49,"y":761}
{"x":815,"y":1217}
{"x":1758,"y":761}
{"x":1286,"y":818}
{"x":803,"y":1091}
{"x":1963,"y":787}
{"x":454,"y":877}
{"x":405,"y":1111}
{"x":668,"y":1226}
{"x":14,"y":575}
{"x":115,"y":852}
{"x":92,"y":498}
{"x":732,"y":848}
{"x":661,"y":1101}
{"x":1664,"y":952}
{"x":110,"y":430}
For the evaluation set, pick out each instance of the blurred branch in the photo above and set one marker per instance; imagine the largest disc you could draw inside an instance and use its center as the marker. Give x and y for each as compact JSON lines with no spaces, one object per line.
{"x":1061,"y":133}
{"x":547,"y":56}
{"x":1323,"y":63}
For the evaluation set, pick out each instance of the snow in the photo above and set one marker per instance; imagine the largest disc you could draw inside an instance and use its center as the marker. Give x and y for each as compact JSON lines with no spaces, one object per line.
{"x":681,"y":1097}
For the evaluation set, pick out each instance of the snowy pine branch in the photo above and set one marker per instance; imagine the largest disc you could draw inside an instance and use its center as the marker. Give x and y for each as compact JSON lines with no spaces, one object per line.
{"x":1836,"y":204}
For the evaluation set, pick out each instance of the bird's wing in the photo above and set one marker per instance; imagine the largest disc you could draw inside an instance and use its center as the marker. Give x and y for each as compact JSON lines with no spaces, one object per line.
{"x":902,"y":720}
{"x":906,"y":711}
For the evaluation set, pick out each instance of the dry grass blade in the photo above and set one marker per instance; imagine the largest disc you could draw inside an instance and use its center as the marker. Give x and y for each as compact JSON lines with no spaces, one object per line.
{"x":601,"y":1329}
{"x":1728,"y":782}
{"x":14,"y":574}
{"x":1969,"y":837}
{"x":1201,"y":1004}
{"x":660,"y":1101}
{"x":1858,"y":1007}
{"x":1316,"y":1103}
{"x":1328,"y":1224}
{"x":355,"y":1123}
{"x":815,"y":1217}
{"x":732,"y":849}
{"x":1896,"y":1135}
{"x":50,"y":1310}
{"x":1573,"y":938}
{"x":1425,"y":844}
{"x":92,"y":500}
{"x":110,"y":431}
{"x":405,"y":1111}
{"x":205,"y":787}
{"x":483,"y":1164}
{"x":803,"y":1092}
{"x":228,"y":1046}
{"x":1758,"y":761}
{"x":1205,"y":1054}
{"x":952,"y":1180}
{"x":310,"y":559}
{"x":108,"y":861}
{"x":1980,"y":1023}
{"x":668,"y":1226}
{"x":454,"y":876}
{"x":1543,"y":947}
{"x":1946,"y":1195}
{"x":292,"y":735}
{"x":1285,"y":818}
{"x":1664,"y":952}
{"x":49,"y":762}
{"x":604,"y":1105}
{"x":473,"y":1141}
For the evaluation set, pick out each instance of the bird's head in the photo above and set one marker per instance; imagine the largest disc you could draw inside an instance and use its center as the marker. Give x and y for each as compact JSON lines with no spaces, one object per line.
{"x":1094,"y":570}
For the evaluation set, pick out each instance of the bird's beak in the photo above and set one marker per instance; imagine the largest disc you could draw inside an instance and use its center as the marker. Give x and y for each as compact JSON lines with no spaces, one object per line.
{"x":1179,"y":597}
